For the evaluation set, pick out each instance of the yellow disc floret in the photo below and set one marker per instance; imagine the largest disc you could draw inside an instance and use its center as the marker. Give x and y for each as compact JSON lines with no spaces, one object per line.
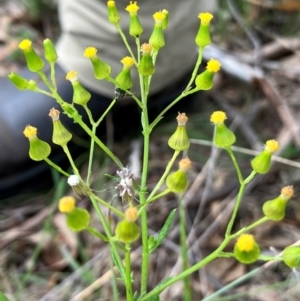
{"x":111,"y":3}
{"x":287,"y":192}
{"x":25,"y":45}
{"x":30,"y":132}
{"x":245,"y":243}
{"x":127,"y":61}
{"x":213,"y":66}
{"x":159,"y":17}
{"x":146,"y":48}
{"x":132,"y":8}
{"x":66,"y":204}
{"x":272,"y":146}
{"x":205,"y":17}
{"x":90,"y":52}
{"x":72,"y":76}
{"x":218,"y":117}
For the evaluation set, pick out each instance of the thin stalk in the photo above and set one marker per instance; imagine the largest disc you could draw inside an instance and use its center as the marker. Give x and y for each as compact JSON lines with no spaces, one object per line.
{"x":187,"y":296}
{"x":106,"y":112}
{"x":97,"y":234}
{"x":52,"y":75}
{"x":238,"y":202}
{"x":163,"y":177}
{"x":128,"y":274}
{"x":138,"y":50}
{"x":58,"y":168}
{"x":112,"y":243}
{"x":91,"y":156}
{"x":166,"y":191}
{"x":236,"y":166}
{"x":67,"y":152}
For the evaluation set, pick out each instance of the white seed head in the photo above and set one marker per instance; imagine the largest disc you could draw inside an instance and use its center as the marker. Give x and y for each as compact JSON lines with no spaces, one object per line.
{"x":73,"y":180}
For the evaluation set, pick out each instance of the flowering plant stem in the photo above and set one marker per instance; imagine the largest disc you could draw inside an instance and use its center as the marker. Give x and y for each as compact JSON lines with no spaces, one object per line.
{"x":128,"y":282}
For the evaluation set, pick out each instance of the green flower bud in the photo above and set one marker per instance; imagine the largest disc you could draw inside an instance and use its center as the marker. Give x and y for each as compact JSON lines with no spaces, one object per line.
{"x":61,"y":136}
{"x":246,"y":250}
{"x":32,"y":86}
{"x":204,"y":81}
{"x":165,"y":22}
{"x":262,"y":162}
{"x":34,"y":62}
{"x":101,"y":69}
{"x":70,"y":111}
{"x":78,"y":219}
{"x":135,"y":27}
{"x":157,"y":39}
{"x":113,"y":14}
{"x":179,"y":141}
{"x":20,"y":82}
{"x":223,"y":137}
{"x":291,"y":256}
{"x":123,"y":79}
{"x":38,"y":149}
{"x":146,"y":67}
{"x":50,"y":51}
{"x":80,"y":95}
{"x":127,"y":232}
{"x":275,"y":209}
{"x":203,"y":36}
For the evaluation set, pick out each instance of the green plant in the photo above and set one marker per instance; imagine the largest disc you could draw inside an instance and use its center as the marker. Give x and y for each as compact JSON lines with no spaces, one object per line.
{"x":133,"y":223}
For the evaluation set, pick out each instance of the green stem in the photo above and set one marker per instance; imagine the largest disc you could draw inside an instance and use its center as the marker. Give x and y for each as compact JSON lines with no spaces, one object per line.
{"x":238,"y":202}
{"x":97,"y":234}
{"x":236,"y":166}
{"x":67,"y":152}
{"x":106,"y":112}
{"x":156,"y":197}
{"x":52,"y":75}
{"x":56,"y":167}
{"x":163,"y":177}
{"x":114,"y":250}
{"x":183,"y":250}
{"x":128,"y":274}
{"x":138,"y":50}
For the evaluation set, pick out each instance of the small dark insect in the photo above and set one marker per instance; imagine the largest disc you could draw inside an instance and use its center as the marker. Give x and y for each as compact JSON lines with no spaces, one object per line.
{"x":119,"y":93}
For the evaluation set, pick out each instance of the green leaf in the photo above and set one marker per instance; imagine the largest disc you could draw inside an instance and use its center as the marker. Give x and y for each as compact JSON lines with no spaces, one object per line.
{"x":163,"y":232}
{"x":3,"y":297}
{"x":78,"y":219}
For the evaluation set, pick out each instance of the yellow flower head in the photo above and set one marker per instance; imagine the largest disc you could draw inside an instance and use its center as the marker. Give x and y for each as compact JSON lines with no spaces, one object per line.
{"x":182,"y":119}
{"x":66,"y":204}
{"x":159,"y":17}
{"x":90,"y":52}
{"x":205,"y":18}
{"x":25,"y":45}
{"x":132,"y":8}
{"x":127,"y":61}
{"x":287,"y":192}
{"x":185,"y":164}
{"x":131,"y":214}
{"x":272,"y":146}
{"x":111,"y":3}
{"x":72,"y":76}
{"x":30,"y":132}
{"x":146,"y":48}
{"x":245,"y":243}
{"x":213,"y":66}
{"x":218,"y":117}
{"x":54,"y":114}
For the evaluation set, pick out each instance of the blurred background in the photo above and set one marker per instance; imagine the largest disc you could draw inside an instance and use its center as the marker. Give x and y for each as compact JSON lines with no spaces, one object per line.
{"x":258,"y":44}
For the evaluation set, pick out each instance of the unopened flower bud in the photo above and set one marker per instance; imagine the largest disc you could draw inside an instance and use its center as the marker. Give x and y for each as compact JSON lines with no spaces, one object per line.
{"x":275,"y":209}
{"x":38,"y":149}
{"x":291,"y":256}
{"x":127,"y":232}
{"x":203,"y":35}
{"x":146,"y":67}
{"x":66,"y":204}
{"x":204,"y":81}
{"x":78,"y":219}
{"x":246,"y":250}
{"x":157,"y":39}
{"x":50,"y":51}
{"x":179,"y":141}
{"x":20,"y":82}
{"x":123,"y":79}
{"x":113,"y":14}
{"x":165,"y":22}
{"x":80,"y":95}
{"x":34,"y":62}
{"x":223,"y":137}
{"x":262,"y":162}
{"x":61,"y":136}
{"x":101,"y":69}
{"x":135,"y":27}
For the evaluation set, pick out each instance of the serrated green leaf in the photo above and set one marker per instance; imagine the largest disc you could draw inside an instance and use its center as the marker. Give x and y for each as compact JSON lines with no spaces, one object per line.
{"x":78,"y":219}
{"x":164,"y":231}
